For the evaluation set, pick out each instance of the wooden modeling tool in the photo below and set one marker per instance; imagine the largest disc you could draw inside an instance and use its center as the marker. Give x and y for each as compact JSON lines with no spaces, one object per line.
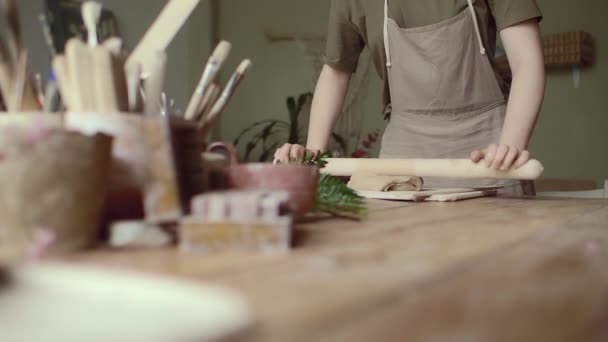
{"x":212,"y":68}
{"x":451,"y":168}
{"x":79,"y":62}
{"x":161,"y":33}
{"x":106,"y":98}
{"x":91,"y":12}
{"x":154,"y":84}
{"x":220,"y":104}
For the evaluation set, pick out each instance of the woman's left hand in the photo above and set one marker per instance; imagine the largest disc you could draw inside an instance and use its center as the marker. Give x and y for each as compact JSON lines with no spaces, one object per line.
{"x":501,"y":157}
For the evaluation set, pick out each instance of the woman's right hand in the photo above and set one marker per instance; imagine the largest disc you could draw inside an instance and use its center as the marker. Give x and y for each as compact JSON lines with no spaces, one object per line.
{"x":288,"y":152}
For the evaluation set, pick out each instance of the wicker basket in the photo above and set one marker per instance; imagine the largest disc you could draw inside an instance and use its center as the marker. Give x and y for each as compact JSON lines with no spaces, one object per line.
{"x":56,"y":185}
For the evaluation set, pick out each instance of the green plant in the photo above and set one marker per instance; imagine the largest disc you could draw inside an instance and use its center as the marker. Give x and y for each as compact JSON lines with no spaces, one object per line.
{"x":267,"y":135}
{"x":333,"y":195}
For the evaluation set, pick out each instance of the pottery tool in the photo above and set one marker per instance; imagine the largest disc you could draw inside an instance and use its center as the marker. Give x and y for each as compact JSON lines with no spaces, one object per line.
{"x":214,"y":64}
{"x":220,"y":104}
{"x":79,"y":62}
{"x":104,"y":83}
{"x":91,"y":12}
{"x":154,"y":84}
{"x":161,"y":33}
{"x":451,"y":168}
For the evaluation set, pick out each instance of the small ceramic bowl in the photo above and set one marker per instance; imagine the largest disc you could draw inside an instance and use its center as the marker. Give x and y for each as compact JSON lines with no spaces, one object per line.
{"x":300,"y":181}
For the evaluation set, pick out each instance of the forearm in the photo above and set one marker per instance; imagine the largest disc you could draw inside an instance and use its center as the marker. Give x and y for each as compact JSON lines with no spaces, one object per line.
{"x":326,"y":106}
{"x":528,"y":85}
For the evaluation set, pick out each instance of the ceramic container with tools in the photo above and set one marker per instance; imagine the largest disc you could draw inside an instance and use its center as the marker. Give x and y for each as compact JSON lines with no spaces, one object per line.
{"x":52,"y":188}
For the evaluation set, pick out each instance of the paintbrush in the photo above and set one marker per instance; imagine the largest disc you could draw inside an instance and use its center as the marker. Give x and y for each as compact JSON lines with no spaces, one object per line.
{"x":212,"y":68}
{"x":211,"y":95}
{"x":154,"y":83}
{"x":91,"y":12}
{"x":209,"y":120}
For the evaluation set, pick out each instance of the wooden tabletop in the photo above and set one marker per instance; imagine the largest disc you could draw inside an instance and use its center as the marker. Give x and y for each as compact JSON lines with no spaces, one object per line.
{"x":494,"y":269}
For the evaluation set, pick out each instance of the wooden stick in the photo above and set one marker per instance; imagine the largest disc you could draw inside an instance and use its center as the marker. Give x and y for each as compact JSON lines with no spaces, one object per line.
{"x":154,"y":84}
{"x":103,"y":81}
{"x":79,"y":64}
{"x":161,"y":33}
{"x":451,"y":168}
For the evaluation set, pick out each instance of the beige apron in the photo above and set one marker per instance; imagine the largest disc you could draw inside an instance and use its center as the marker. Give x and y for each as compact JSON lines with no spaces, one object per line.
{"x":445,"y":99}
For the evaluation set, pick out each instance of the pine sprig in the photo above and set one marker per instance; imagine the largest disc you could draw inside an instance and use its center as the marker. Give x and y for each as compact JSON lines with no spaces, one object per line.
{"x":312,"y":158}
{"x":333,"y":196}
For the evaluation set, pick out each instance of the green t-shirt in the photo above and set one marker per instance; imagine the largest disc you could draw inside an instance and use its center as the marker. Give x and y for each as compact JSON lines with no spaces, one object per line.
{"x":355,"y":24}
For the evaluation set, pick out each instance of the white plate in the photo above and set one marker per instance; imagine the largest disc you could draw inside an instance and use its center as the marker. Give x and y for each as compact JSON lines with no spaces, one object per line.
{"x":54,"y":302}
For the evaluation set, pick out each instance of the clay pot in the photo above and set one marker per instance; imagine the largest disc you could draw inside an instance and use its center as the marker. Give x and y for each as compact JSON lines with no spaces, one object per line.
{"x":54,"y":187}
{"x":299,"y":181}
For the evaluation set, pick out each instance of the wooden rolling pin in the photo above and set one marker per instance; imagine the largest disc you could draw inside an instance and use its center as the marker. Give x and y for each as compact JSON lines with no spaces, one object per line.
{"x":450,"y":168}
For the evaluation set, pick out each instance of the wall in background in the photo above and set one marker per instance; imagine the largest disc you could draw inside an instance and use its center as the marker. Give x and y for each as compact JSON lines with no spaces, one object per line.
{"x":279,"y":69}
{"x":134,"y":17}
{"x":571,"y":137}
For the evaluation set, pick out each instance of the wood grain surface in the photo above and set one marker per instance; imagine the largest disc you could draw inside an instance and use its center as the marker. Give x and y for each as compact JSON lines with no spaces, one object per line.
{"x":490,"y":269}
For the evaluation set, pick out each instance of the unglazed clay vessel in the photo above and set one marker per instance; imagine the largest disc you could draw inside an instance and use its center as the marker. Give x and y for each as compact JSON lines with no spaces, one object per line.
{"x":300,"y":181}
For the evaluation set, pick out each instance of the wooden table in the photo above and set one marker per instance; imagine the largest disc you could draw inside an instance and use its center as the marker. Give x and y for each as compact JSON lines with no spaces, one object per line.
{"x":493,"y":269}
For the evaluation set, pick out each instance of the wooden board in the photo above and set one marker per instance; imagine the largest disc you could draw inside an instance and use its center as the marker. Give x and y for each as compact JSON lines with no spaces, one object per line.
{"x":439,"y":195}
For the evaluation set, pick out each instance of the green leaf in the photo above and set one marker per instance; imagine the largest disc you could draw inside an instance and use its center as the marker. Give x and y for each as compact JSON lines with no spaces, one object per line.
{"x":251,"y":128}
{"x":266,"y":153}
{"x":335,"y":197}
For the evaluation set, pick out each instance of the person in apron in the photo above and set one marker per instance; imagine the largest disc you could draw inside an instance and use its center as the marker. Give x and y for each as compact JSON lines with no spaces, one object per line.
{"x":445,"y":99}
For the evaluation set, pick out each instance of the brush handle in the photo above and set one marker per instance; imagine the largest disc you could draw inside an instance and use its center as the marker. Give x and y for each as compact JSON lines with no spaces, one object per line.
{"x":450,"y":168}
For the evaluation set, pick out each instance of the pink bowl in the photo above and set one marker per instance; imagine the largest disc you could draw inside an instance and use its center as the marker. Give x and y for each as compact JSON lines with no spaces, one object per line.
{"x":299,"y":181}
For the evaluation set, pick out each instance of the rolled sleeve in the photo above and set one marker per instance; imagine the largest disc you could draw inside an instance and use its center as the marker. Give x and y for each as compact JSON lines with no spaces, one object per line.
{"x":344,"y":41}
{"x":510,"y":12}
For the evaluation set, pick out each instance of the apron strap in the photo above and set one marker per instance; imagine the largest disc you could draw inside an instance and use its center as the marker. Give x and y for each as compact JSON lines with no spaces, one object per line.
{"x":387,"y":47}
{"x":476,"y":24}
